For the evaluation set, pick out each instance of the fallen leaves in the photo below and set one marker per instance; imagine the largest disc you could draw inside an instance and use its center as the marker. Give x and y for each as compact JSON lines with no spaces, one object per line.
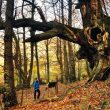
{"x":94,"y":96}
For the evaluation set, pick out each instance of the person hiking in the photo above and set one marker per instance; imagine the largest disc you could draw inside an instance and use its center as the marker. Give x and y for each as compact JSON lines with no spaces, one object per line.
{"x":36,"y":85}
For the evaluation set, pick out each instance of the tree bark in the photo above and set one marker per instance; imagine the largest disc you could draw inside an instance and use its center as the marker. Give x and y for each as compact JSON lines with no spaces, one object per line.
{"x":0,"y":7}
{"x":59,"y":57}
{"x":94,"y":8}
{"x":37,"y":61}
{"x":72,"y":76}
{"x":32,"y":33}
{"x":8,"y":56}
{"x":66,"y":67}
{"x":79,"y":70}
{"x":17,"y":59}
{"x":47,"y":57}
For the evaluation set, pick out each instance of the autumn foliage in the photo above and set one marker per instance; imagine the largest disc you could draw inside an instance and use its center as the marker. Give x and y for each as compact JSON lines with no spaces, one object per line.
{"x":76,"y":96}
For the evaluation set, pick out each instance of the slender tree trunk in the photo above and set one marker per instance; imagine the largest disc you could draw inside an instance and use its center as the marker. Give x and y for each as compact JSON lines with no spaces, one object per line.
{"x":47,"y":66}
{"x":0,"y":7}
{"x":66,"y":68}
{"x":47,"y":57}
{"x":59,"y":51}
{"x":72,"y":76}
{"x":32,"y":49}
{"x":31,"y":66}
{"x":24,"y":46}
{"x":8,"y":56}
{"x":59,"y":57}
{"x":24,"y":61}
{"x":79,"y":70}
{"x":62,"y":11}
{"x":61,"y":62}
{"x":17,"y":59}
{"x":24,"y":54}
{"x":37,"y":61}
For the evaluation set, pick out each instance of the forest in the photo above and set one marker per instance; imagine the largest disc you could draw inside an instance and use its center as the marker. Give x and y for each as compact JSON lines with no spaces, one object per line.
{"x":57,"y":51}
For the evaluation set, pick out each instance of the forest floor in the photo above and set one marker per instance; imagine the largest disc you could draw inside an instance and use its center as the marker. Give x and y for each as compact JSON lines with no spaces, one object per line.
{"x":75,"y":96}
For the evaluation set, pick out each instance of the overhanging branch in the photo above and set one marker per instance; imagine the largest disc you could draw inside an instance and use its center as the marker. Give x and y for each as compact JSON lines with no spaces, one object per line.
{"x":43,"y":36}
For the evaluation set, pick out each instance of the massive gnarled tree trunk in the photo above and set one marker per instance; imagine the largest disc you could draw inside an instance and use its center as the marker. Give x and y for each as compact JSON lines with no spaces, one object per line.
{"x":88,"y":10}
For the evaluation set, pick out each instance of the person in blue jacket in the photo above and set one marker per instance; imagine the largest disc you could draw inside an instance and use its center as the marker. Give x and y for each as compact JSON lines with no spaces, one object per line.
{"x":36,"y":85}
